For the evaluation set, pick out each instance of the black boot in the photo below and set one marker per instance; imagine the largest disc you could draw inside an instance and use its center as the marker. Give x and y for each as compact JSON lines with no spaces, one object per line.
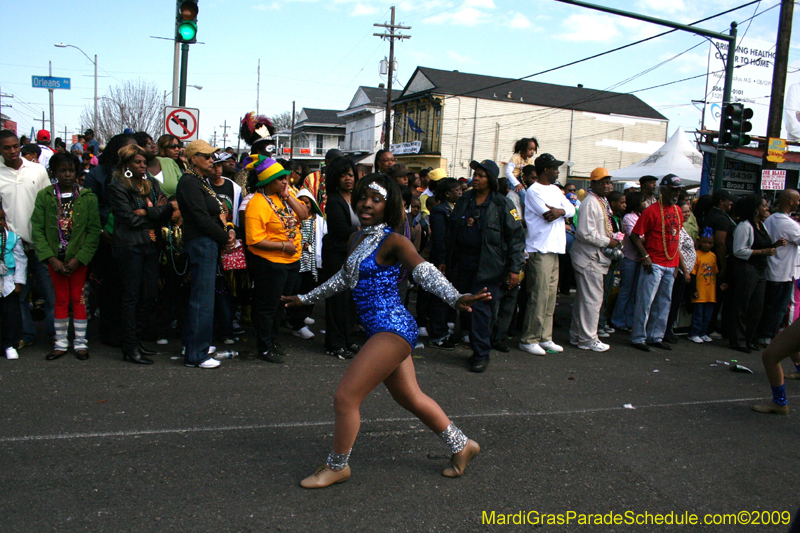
{"x":136,"y":357}
{"x":146,"y":351}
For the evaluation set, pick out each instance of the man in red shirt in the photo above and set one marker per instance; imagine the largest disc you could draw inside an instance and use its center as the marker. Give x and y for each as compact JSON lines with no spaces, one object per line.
{"x":660,"y":226}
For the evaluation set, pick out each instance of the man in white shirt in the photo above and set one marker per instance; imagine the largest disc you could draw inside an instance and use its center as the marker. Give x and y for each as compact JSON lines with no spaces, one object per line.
{"x":545,"y":209}
{"x":781,"y":267}
{"x":43,"y":140}
{"x":20,"y":182}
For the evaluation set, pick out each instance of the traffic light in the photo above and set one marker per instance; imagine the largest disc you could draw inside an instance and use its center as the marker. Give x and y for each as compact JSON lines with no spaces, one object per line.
{"x":736,"y":125}
{"x":186,"y":21}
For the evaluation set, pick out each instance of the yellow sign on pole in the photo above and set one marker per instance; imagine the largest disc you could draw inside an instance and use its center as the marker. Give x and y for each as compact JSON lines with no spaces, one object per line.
{"x":776,"y":148}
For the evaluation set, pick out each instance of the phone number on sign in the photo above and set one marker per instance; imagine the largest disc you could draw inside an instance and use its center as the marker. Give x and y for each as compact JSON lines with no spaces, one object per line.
{"x":632,"y":518}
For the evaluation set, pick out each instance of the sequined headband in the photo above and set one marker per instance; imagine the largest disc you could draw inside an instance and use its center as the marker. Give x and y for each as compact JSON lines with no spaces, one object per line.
{"x":379,"y":189}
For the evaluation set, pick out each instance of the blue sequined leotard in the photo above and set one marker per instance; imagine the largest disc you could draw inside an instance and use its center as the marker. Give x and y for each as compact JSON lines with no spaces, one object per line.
{"x":378,"y":300}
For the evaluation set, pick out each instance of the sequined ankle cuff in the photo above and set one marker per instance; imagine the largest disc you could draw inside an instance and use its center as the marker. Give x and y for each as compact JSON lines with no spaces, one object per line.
{"x":454,"y":438}
{"x":338,"y":461}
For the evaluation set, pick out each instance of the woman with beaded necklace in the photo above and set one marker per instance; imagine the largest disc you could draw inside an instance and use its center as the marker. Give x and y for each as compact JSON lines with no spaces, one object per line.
{"x":140,"y":209}
{"x":272,"y":229}
{"x":66,"y":233}
{"x":205,"y":232}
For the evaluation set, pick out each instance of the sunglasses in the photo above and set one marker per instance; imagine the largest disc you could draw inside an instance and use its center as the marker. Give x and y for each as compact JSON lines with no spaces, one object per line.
{"x":205,"y":156}
{"x":173,"y":146}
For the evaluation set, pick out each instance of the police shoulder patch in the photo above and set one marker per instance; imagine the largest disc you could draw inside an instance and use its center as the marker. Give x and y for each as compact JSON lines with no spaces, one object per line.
{"x":514,"y":214}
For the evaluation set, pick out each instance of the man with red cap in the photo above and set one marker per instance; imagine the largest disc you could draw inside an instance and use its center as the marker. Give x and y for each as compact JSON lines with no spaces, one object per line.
{"x":43,"y":140}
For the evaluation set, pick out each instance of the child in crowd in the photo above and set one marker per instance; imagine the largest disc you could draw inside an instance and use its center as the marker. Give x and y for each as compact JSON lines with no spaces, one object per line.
{"x":66,"y":233}
{"x":704,"y":279}
{"x":312,"y":229}
{"x":14,"y":272}
{"x":174,"y":267}
{"x":420,"y":231}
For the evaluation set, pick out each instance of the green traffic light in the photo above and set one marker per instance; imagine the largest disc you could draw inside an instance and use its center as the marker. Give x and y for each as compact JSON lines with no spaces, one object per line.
{"x":187,"y":30}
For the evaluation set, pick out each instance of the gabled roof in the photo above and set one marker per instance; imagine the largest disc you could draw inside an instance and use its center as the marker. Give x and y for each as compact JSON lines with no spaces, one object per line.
{"x":376,"y":95}
{"x":452,"y":82}
{"x":319,"y":116}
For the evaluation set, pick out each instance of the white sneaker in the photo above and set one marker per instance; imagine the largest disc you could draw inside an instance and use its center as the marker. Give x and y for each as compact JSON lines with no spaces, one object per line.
{"x":228,"y":341}
{"x":207,"y":364}
{"x":309,"y":321}
{"x":596,"y":347}
{"x":11,"y":353}
{"x":696,"y":339}
{"x":609,"y":329}
{"x":162,"y":341}
{"x":550,"y":345}
{"x":716,"y":335}
{"x":603,"y":333}
{"x":706,"y":338}
{"x":534,"y":349}
{"x":211,"y":350}
{"x":422,"y":332}
{"x":764,"y":341}
{"x":303,"y":333}
{"x":451,"y":325}
{"x":465,"y":339}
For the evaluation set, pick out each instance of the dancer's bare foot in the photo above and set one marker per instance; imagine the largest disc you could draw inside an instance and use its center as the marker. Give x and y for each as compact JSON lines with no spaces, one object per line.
{"x":460,"y":460}
{"x":325,"y":477}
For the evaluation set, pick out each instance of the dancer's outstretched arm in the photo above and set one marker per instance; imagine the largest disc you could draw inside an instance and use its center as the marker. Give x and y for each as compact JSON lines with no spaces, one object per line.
{"x":336,"y":284}
{"x":399,"y":248}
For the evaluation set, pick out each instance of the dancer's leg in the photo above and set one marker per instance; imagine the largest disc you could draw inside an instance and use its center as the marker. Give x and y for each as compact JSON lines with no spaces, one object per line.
{"x":376,"y":360}
{"x":786,"y":344}
{"x":402,"y":385}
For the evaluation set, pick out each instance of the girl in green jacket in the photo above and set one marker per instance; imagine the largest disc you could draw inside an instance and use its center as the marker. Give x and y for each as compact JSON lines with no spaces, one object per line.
{"x":66,"y":233}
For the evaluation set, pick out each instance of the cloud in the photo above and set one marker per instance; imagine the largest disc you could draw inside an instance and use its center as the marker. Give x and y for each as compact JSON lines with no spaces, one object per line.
{"x":689,"y":63}
{"x":518,"y":21}
{"x":466,"y":16}
{"x":363,"y":9}
{"x":659,"y":6}
{"x":455,"y":56}
{"x":485,"y":4}
{"x":586,"y":28}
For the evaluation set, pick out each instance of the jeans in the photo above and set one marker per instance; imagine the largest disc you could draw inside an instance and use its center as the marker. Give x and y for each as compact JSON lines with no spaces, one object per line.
{"x":203,"y":257}
{"x":480,"y":325}
{"x":138,"y":269}
{"x":224,"y":305}
{"x":626,"y":298}
{"x":701,"y":318}
{"x":678,"y":288}
{"x":44,"y":286}
{"x":653,"y":296}
{"x":777,"y":297}
{"x":272,"y":280}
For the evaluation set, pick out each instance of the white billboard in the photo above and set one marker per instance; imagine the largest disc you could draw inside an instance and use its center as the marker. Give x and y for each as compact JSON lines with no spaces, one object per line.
{"x":752,"y":81}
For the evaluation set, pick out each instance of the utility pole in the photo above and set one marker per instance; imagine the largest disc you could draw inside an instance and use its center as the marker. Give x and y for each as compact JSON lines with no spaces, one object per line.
{"x":239,"y":138}
{"x":1,"y":101}
{"x":214,"y":143}
{"x":176,"y":77}
{"x":52,"y":113}
{"x":258,"y":87}
{"x":291,"y":139}
{"x":184,"y":73}
{"x":224,"y":133}
{"x":390,"y":36}
{"x":779,"y":77}
{"x":34,"y":140}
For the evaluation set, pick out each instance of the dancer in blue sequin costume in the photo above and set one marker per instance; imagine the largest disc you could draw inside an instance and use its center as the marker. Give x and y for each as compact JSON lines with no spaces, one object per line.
{"x":371,"y":271}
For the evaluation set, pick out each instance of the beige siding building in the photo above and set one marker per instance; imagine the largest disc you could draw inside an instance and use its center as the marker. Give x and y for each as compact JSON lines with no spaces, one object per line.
{"x":447,"y":119}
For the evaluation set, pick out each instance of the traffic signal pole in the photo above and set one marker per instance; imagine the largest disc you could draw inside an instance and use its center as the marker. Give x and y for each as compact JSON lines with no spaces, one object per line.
{"x":729,"y":63}
{"x":779,"y":77}
{"x":184,"y":73}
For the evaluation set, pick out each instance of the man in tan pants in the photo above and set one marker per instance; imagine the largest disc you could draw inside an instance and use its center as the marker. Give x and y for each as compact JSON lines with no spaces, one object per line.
{"x":592,"y":234}
{"x":546,"y":207}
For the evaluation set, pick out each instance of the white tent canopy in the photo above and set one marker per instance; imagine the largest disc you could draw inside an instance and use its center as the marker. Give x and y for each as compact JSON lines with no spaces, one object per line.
{"x":677,"y":156}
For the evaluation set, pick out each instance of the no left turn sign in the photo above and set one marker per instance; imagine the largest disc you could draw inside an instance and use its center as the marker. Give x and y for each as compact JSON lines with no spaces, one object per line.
{"x":182,"y":122}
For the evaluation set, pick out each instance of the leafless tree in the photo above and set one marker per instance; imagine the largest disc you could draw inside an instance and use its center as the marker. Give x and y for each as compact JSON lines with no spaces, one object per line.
{"x":283,"y":121}
{"x":137,"y":105}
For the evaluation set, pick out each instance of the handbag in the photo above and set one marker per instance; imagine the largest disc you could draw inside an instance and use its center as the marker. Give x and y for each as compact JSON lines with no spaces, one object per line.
{"x":235,"y":260}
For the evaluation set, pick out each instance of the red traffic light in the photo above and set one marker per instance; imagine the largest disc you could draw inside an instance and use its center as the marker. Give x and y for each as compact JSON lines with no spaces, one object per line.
{"x":189,"y":10}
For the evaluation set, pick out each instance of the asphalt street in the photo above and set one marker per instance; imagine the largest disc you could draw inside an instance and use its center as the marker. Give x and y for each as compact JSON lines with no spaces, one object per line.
{"x":105,"y":446}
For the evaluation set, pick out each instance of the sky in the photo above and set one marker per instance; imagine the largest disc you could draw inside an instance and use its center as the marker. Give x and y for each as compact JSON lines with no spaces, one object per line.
{"x":318,"y":52}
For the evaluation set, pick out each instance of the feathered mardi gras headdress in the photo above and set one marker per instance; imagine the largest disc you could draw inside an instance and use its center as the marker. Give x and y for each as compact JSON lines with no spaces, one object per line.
{"x":254,"y":128}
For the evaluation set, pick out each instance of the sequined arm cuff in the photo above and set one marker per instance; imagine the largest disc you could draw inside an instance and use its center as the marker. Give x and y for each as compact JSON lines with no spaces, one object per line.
{"x":335,"y":285}
{"x":433,"y":281}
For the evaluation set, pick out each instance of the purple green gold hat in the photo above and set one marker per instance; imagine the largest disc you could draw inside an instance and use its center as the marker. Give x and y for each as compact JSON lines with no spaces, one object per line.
{"x":268,"y":170}
{"x":252,"y":160}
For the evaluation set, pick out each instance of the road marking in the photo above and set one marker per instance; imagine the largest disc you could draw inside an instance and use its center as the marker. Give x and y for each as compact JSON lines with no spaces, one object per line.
{"x":284,"y":425}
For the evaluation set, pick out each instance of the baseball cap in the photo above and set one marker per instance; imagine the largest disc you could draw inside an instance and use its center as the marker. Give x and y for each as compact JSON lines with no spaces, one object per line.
{"x":647,"y":178}
{"x":43,"y":135}
{"x":672,"y":181}
{"x":199,"y":147}
{"x":547,"y":160}
{"x":436,"y":174}
{"x":219,"y":157}
{"x":599,"y":173}
{"x":630,"y":185}
{"x":487,"y":165}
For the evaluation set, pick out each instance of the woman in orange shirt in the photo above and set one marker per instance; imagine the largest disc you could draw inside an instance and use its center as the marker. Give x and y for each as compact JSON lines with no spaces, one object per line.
{"x":272,"y":226}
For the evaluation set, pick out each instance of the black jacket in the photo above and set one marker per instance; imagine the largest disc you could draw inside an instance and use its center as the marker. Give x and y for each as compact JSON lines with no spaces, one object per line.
{"x":502,"y":238}
{"x":200,"y":211}
{"x":99,"y":180}
{"x":438,"y":220}
{"x":130,"y":229}
{"x":340,"y":227}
